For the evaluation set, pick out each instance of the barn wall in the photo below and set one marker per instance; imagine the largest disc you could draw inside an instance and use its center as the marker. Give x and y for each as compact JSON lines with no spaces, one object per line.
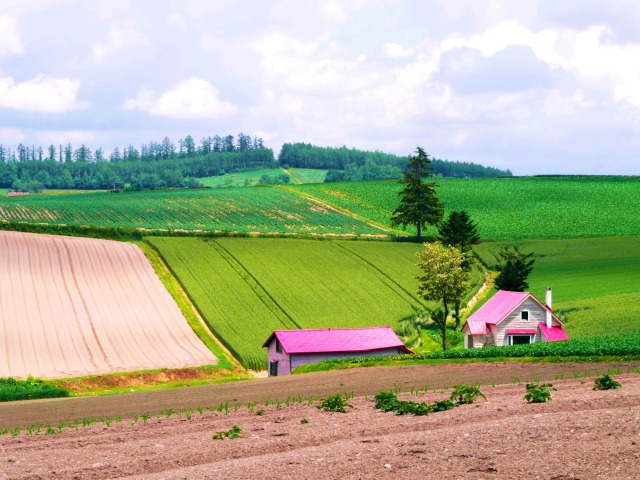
{"x":303,"y":359}
{"x":284,"y":365}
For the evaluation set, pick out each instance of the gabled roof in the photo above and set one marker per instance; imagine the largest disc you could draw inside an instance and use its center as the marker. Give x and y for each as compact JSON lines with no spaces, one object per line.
{"x":333,"y":340}
{"x":553,"y":334}
{"x":494,"y":311}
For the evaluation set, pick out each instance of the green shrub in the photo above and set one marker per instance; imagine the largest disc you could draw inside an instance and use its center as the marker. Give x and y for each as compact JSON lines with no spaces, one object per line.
{"x":466,"y":394}
{"x":538,"y":393}
{"x":605,"y":382}
{"x":233,"y":432}
{"x":12,"y":389}
{"x":334,"y":403}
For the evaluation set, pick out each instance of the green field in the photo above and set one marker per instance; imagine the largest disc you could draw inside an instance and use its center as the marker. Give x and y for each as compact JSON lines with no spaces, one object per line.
{"x":307,"y":175}
{"x":595,"y":281}
{"x":246,"y":288}
{"x":509,"y":208}
{"x":239,"y":179}
{"x":260,"y":209}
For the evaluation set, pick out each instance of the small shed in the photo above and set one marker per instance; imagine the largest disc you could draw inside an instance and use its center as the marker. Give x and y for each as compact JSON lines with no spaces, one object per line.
{"x":512,"y":318}
{"x":288,"y":349}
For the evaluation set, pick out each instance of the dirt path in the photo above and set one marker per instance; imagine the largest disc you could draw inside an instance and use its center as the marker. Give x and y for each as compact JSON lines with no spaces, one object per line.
{"x":580,"y":434}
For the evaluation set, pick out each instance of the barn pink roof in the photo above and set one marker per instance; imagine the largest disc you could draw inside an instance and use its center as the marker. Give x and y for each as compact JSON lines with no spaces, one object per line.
{"x":553,"y":334}
{"x":337,"y":340}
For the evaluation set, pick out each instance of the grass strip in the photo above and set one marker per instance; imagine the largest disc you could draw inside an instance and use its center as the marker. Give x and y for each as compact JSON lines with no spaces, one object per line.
{"x":12,"y":389}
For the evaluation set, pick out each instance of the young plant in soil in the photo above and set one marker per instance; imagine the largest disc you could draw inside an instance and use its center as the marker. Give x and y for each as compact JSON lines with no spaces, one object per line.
{"x":605,"y":382}
{"x":538,"y":393}
{"x":233,"y":432}
{"x":463,"y":394}
{"x":334,"y":403}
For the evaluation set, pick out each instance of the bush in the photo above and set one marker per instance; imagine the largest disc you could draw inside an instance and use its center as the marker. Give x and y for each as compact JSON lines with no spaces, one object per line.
{"x":605,"y":382}
{"x":538,"y":393}
{"x":334,"y":403}
{"x":31,"y":388}
{"x":463,"y":394}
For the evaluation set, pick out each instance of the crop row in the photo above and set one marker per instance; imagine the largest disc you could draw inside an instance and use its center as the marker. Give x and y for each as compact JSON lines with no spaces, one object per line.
{"x":508,"y":208}
{"x":264,"y":210}
{"x":247,"y":288}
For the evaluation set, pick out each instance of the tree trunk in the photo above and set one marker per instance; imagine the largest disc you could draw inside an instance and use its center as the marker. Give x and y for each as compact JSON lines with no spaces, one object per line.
{"x":419,"y":233}
{"x":456,"y":315}
{"x":444,"y":327}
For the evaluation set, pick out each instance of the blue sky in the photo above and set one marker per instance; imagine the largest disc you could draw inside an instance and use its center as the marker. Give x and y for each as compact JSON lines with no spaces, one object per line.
{"x":534,"y":86}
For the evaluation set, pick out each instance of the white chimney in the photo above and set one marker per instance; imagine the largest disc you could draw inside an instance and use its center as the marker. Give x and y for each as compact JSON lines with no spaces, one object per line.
{"x":548,"y":302}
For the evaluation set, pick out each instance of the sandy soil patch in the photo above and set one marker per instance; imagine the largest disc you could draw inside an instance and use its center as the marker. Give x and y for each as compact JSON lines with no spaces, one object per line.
{"x":76,"y":306}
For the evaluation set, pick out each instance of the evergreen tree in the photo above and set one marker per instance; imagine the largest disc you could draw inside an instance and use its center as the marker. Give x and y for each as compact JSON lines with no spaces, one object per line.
{"x":419,"y":204}
{"x":513,"y":274}
{"x":459,"y":230}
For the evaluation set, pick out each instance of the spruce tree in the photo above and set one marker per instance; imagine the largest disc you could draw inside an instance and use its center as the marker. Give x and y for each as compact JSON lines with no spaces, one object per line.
{"x":419,"y":204}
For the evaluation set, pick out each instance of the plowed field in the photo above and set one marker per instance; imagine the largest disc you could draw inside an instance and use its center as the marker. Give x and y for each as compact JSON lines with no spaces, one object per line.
{"x":579,"y":434}
{"x":77,"y":306}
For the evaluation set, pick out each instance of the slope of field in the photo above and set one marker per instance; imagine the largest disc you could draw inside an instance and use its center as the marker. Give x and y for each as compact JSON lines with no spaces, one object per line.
{"x":509,"y":208}
{"x":76,"y":306}
{"x":239,"y":179}
{"x":595,"y":281}
{"x":246,"y":288}
{"x":262,"y":209}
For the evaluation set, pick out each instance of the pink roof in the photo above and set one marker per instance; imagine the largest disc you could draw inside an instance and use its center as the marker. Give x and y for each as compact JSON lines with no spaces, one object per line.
{"x":494,"y":311}
{"x":553,"y":334}
{"x":521,"y":331}
{"x":337,"y":340}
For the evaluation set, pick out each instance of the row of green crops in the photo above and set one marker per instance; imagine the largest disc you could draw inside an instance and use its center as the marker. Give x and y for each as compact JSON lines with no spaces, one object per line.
{"x":622,"y":346}
{"x":509,"y":208}
{"x":246,"y":288}
{"x":263,"y":210}
{"x":595,"y":281}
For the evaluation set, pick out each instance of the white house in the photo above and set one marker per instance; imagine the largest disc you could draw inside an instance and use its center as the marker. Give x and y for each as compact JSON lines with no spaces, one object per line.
{"x":512,"y":318}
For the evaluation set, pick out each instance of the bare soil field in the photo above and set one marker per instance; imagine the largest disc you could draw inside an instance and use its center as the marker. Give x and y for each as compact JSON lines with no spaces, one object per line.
{"x":77,"y":306}
{"x":579,"y":434}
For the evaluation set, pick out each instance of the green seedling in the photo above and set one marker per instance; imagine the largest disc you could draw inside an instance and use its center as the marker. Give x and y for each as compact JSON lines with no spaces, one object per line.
{"x":538,"y":393}
{"x":605,"y":382}
{"x":464,"y":394}
{"x":233,"y":432}
{"x":334,"y":403}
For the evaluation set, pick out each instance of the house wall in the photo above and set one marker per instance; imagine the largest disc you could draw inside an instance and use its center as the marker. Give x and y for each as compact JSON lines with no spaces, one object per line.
{"x":284,"y":364}
{"x":303,"y":359}
{"x":537,"y":314}
{"x":478,"y":341}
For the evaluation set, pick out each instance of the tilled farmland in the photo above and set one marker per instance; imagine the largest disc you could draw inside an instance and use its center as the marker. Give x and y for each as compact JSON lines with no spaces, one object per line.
{"x":78,"y":306}
{"x":580,"y":433}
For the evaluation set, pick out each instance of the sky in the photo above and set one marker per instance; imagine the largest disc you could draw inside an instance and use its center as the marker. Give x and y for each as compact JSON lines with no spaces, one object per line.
{"x":535,"y":86}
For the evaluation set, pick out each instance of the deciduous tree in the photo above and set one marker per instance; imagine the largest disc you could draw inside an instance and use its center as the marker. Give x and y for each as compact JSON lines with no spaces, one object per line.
{"x":444,"y":280}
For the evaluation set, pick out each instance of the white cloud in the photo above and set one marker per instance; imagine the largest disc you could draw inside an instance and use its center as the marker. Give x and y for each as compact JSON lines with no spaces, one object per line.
{"x":191,"y":98}
{"x":109,"y":9}
{"x":176,"y":20}
{"x":9,"y":36}
{"x":11,"y":136}
{"x":395,"y":50}
{"x":74,"y":137}
{"x":120,"y":37}
{"x":42,"y":94}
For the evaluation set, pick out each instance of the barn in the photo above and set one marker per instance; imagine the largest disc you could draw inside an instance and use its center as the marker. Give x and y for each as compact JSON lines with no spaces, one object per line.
{"x":512,"y":318}
{"x":288,"y":349}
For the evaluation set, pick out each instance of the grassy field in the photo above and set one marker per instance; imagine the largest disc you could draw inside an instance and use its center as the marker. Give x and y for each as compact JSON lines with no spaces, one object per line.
{"x":307,"y":175}
{"x":595,"y":281}
{"x":260,"y":209}
{"x":239,"y":179}
{"x":246,"y":288}
{"x":509,"y":208}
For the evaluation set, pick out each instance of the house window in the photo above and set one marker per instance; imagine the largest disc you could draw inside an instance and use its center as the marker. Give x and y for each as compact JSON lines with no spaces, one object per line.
{"x":278,"y":346}
{"x":524,"y":315}
{"x":273,"y":369}
{"x":520,"y":339}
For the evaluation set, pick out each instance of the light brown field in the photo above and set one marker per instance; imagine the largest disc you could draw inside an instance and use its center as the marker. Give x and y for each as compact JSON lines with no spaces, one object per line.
{"x":579,"y":434}
{"x":77,"y":306}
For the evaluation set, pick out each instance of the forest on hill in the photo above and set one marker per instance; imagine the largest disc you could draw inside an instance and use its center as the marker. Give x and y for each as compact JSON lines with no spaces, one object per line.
{"x":164,"y":164}
{"x":345,"y":164}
